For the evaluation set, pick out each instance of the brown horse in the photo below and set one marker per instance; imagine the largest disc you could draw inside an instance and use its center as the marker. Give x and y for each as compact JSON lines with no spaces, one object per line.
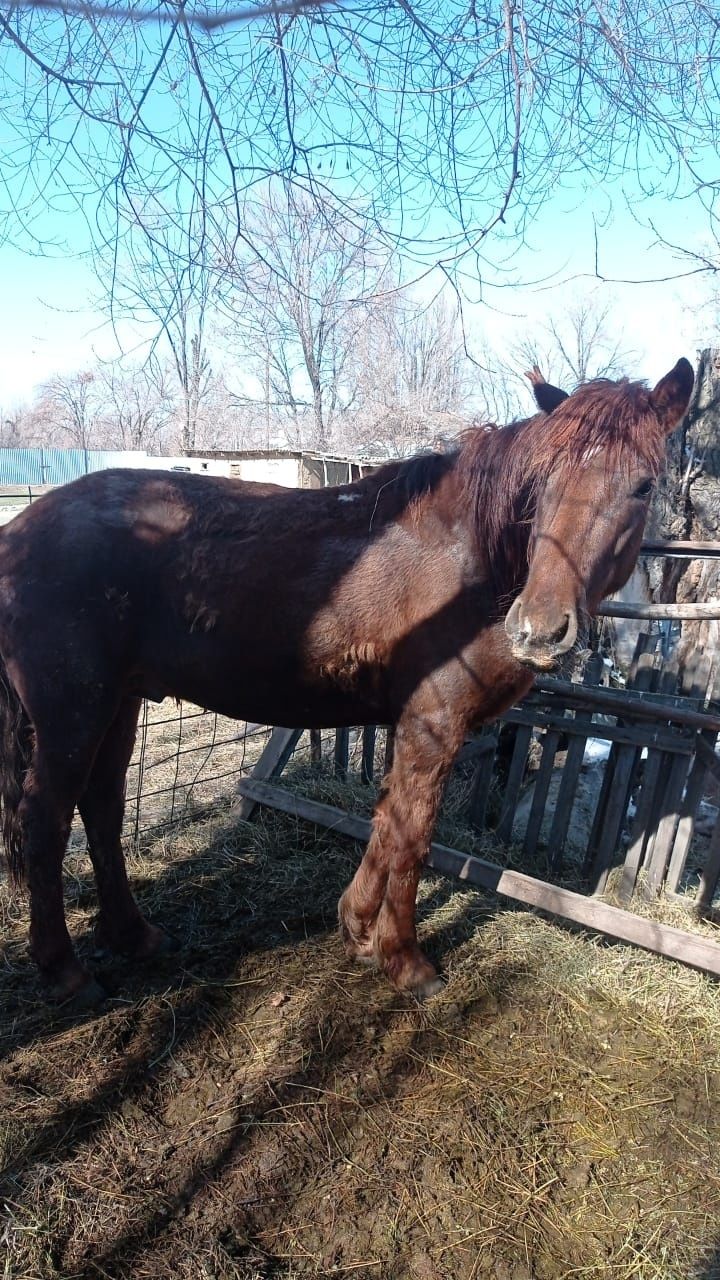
{"x":423,"y":596}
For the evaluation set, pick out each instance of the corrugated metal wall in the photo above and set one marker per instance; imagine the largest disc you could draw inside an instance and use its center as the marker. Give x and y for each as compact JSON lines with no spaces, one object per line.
{"x":57,"y":466}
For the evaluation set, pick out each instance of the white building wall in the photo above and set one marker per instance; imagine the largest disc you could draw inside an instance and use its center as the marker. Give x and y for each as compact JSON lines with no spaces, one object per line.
{"x":285,"y":471}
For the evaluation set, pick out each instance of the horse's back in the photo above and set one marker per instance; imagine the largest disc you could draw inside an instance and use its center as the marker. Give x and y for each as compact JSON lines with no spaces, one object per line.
{"x":180,"y":584}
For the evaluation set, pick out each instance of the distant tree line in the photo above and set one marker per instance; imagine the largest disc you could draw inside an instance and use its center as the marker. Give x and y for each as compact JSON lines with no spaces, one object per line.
{"x":309,"y":342}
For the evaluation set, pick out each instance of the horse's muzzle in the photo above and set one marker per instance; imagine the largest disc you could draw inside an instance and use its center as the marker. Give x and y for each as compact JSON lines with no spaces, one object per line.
{"x":541,"y":638}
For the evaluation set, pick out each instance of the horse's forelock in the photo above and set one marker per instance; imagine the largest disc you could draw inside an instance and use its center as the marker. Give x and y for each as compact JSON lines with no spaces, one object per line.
{"x":616,"y":417}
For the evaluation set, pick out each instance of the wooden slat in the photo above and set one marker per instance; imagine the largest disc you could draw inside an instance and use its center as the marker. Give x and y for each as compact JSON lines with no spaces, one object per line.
{"x":706,"y":753}
{"x":641,"y":828}
{"x":482,"y":782}
{"x":315,"y":746}
{"x":694,"y":791}
{"x":710,"y":872}
{"x":667,"y":826}
{"x":636,"y":736}
{"x":613,"y":817}
{"x":643,"y":656}
{"x":389,"y":748}
{"x":272,"y":761}
{"x":696,"y":678}
{"x":687,"y":612}
{"x":475,"y":748}
{"x":677,"y":944}
{"x":342,"y":753}
{"x":605,"y":835}
{"x":645,"y":706}
{"x":571,"y":771}
{"x":550,"y":743}
{"x":660,"y":813}
{"x":367,"y":764}
{"x":516,"y":773}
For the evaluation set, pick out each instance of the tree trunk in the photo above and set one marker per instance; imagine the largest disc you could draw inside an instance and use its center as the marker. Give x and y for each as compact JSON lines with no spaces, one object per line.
{"x":688,"y":506}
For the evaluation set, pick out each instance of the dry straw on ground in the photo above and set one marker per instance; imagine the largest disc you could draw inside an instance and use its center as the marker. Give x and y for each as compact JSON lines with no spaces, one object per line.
{"x":255,"y":1106}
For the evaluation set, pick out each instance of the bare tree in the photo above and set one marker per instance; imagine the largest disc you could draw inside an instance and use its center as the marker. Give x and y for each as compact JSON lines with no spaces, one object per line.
{"x":449,"y":121}
{"x":15,"y":427}
{"x":415,"y":381}
{"x":297,"y":309}
{"x":585,"y":341}
{"x":165,"y":281}
{"x":138,"y":407}
{"x":72,"y":406}
{"x":433,"y":368}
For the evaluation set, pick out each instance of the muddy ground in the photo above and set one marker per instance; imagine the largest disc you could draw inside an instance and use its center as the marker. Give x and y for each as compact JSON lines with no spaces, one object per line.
{"x":256,"y":1106}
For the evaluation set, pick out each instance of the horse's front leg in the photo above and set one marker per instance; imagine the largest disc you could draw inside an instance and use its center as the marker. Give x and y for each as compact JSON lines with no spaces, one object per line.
{"x":377,"y":910}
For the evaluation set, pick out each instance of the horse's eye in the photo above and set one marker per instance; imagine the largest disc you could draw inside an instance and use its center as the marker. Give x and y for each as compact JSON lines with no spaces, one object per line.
{"x":643,"y":490}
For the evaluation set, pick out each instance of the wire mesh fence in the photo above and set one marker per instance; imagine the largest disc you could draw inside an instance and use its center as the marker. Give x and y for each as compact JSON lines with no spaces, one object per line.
{"x":186,"y":762}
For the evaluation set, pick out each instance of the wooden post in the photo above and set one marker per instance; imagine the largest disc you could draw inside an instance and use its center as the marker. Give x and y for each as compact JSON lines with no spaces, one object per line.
{"x":342,"y":753}
{"x":280,"y":746}
{"x":550,"y":743}
{"x":710,"y":873}
{"x":622,"y":768}
{"x":367,"y":766}
{"x":571,"y":772}
{"x":482,"y":782}
{"x":518,"y":761}
{"x":697,"y":675}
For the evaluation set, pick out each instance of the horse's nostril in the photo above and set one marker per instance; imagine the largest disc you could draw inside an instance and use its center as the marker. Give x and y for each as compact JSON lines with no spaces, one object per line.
{"x":561,"y":632}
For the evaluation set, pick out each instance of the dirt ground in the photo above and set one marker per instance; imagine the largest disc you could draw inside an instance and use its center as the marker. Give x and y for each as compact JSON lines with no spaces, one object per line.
{"x":256,"y":1106}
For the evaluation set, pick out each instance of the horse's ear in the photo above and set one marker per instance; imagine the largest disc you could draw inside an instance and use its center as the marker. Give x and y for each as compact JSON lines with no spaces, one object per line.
{"x":547,"y":397}
{"x":671,"y":396}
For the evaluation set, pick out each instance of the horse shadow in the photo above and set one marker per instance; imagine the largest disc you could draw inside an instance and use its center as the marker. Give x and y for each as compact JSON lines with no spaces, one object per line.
{"x":710,"y":1267}
{"x":158,"y":1012}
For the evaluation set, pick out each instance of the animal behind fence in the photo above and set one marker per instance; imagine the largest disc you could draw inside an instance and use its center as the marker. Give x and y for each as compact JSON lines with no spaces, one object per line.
{"x":424,"y":596}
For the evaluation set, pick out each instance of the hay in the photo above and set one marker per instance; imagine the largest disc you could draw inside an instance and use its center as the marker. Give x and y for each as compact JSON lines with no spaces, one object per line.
{"x":256,"y":1106}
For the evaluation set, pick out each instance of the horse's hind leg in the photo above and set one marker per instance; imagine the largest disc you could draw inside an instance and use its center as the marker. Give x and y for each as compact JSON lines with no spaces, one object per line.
{"x":121,"y":926}
{"x":56,"y":777}
{"x":377,"y":910}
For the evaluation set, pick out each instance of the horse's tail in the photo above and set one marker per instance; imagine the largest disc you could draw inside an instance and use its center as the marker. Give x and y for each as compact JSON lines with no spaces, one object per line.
{"x":16,"y":744}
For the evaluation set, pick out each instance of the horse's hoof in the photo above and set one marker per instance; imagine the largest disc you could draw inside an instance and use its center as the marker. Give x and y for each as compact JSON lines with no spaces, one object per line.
{"x":76,"y":994}
{"x":91,"y":995}
{"x":159,"y":943}
{"x":146,"y":943}
{"x":410,"y":972}
{"x":427,"y":989}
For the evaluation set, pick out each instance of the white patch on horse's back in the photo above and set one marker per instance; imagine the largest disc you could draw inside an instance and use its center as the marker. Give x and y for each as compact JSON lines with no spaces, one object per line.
{"x":348,"y":497}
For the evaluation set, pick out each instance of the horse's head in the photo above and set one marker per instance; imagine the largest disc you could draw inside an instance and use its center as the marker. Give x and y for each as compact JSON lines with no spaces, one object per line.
{"x":606,"y":445}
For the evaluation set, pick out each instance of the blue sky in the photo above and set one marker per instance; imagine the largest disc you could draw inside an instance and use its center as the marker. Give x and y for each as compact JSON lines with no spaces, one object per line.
{"x":51,"y":322}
